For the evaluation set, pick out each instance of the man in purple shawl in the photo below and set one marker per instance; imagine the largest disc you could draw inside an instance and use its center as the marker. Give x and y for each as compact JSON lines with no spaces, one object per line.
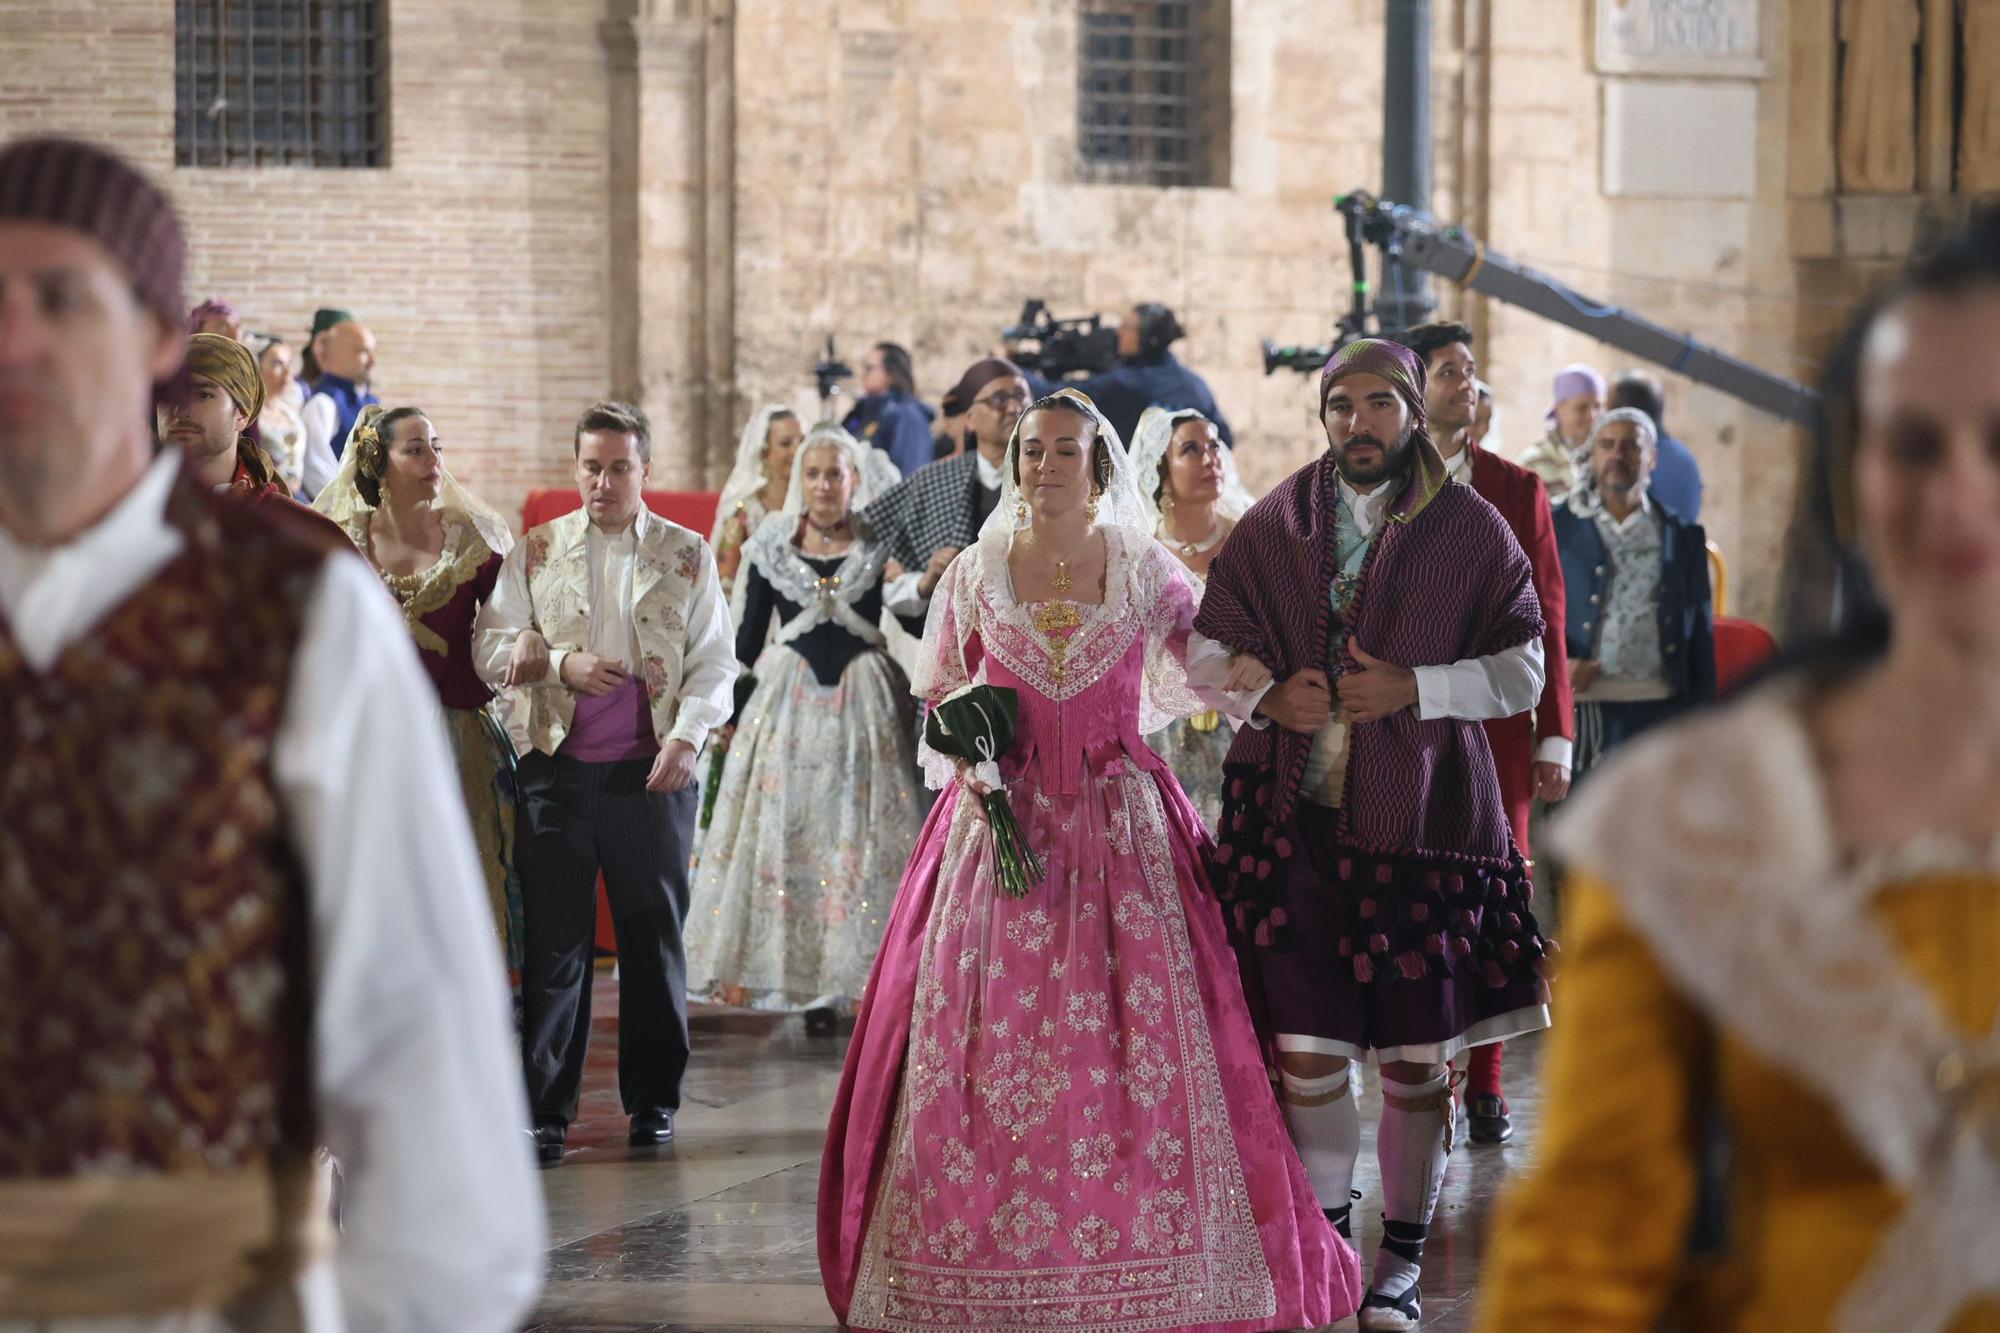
{"x":1365,"y":860}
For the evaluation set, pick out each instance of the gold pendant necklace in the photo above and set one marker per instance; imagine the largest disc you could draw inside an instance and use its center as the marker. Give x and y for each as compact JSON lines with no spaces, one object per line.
{"x":1062,"y":579}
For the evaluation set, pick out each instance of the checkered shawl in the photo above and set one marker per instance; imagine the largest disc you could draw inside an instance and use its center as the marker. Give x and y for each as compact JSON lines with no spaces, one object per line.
{"x":1444,"y":581}
{"x":935,"y":507}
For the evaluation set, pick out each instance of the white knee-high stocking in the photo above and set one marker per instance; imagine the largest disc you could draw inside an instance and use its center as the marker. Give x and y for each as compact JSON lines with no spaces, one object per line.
{"x":1326,"y":1129}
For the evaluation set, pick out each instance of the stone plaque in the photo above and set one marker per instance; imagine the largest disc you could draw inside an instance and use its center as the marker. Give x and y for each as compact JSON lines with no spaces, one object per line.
{"x":1680,"y":138}
{"x":1713,"y":38}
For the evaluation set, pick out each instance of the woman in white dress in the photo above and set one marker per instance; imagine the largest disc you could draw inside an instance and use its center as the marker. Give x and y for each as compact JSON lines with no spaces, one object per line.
{"x":755,"y":487}
{"x":819,"y":801}
{"x":1187,"y":477}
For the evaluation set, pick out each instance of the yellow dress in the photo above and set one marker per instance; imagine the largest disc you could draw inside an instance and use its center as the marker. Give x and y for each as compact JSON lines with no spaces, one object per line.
{"x":1596,"y":1235}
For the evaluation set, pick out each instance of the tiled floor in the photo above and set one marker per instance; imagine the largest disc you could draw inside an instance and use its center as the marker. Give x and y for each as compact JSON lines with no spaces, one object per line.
{"x":717,"y":1232}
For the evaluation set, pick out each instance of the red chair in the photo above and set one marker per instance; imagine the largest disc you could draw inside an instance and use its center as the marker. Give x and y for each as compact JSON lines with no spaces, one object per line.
{"x":690,"y":509}
{"x":1742,"y":647}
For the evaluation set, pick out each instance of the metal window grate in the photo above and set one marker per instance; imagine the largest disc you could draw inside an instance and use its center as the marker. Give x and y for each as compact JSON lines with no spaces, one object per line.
{"x":281,"y":82}
{"x":1152,"y":92}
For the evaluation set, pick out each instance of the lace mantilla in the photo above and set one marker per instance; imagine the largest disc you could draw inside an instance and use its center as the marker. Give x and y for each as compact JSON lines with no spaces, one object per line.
{"x":825,"y":599}
{"x":1736,"y":884}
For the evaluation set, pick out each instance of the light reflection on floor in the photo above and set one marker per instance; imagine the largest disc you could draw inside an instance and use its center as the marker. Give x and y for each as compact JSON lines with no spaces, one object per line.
{"x":717,"y":1232}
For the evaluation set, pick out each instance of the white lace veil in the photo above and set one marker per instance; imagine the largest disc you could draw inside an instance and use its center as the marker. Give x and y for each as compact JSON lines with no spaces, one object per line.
{"x":869,"y":479}
{"x":1119,"y":504}
{"x":746,"y":474}
{"x":1150,"y":443}
{"x":343,"y":502}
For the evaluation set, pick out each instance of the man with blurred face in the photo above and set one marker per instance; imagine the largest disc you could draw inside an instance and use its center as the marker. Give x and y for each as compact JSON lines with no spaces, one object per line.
{"x":1531,"y":750}
{"x":240,"y":916}
{"x":345,"y":355}
{"x":613,"y":620}
{"x":1365,"y":857}
{"x":1557,"y":458}
{"x":207,"y":410}
{"x":1640,"y":627}
{"x":929,"y":518}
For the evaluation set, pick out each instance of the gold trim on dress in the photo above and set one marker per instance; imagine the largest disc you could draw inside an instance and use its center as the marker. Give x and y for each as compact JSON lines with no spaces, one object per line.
{"x":428,"y":590}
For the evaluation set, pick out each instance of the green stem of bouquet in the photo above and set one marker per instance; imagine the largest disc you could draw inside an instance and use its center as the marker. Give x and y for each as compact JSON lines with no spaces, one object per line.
{"x":715,"y":762}
{"x":1015,"y":864}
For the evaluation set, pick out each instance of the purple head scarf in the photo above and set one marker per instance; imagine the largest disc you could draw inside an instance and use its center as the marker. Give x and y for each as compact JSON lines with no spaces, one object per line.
{"x":1575,"y":381}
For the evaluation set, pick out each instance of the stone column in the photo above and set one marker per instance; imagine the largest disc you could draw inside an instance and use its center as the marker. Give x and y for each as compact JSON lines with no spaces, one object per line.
{"x":671,"y":82}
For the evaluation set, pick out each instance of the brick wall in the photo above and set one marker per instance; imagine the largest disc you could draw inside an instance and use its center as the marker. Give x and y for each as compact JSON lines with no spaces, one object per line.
{"x":477,"y":256}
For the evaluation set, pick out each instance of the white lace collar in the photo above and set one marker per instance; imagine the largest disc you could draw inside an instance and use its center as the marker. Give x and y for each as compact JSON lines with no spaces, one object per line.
{"x":1102,"y":632}
{"x":823,"y":598}
{"x":1735,"y":882}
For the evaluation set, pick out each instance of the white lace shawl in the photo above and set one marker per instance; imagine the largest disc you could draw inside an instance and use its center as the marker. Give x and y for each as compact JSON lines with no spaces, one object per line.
{"x":771,"y":551}
{"x":1147,"y":592}
{"x":1735,"y":882}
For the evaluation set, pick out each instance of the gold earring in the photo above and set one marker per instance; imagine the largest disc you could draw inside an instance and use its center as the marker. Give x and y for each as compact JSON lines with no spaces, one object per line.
{"x":1090,"y":507}
{"x":1020,"y":510}
{"x":1167,"y":499}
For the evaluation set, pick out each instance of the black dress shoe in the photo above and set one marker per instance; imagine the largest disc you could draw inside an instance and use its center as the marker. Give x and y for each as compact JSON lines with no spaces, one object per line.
{"x":651,"y":1130}
{"x":1488,"y":1121}
{"x":549,"y":1143}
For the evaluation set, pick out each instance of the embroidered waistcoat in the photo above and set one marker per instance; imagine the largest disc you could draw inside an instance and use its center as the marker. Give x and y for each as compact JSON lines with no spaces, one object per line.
{"x":663,"y":587}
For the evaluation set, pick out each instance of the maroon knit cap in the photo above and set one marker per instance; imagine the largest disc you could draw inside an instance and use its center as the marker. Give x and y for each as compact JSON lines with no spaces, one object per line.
{"x":976,"y":377}
{"x":85,"y":188}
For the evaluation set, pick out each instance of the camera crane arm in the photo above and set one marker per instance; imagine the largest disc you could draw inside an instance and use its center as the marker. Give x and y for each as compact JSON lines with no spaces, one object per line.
{"x":1407,"y":236}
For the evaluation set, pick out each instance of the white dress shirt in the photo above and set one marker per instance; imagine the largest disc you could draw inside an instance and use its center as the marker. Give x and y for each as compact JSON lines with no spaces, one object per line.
{"x":901,"y":596}
{"x":1550,"y":749}
{"x":1474,"y":688}
{"x":415,"y":1069}
{"x":319,"y":417}
{"x":613,"y":557}
{"x":706,"y":685}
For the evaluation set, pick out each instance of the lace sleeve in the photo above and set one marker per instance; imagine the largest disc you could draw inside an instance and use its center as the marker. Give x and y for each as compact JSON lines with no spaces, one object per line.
{"x":1167,"y":597}
{"x":948,"y":660}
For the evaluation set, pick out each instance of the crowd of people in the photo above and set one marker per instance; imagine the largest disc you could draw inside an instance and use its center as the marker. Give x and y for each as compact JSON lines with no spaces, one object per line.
{"x":276,"y":839}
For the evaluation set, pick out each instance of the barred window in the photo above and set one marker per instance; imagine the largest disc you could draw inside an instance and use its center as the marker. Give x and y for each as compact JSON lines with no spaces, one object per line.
{"x":281,"y":82}
{"x":1152,"y":98}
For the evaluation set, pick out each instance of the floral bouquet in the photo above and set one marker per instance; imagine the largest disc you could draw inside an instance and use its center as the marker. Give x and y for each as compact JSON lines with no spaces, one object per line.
{"x":977,"y":725}
{"x":746,"y":685}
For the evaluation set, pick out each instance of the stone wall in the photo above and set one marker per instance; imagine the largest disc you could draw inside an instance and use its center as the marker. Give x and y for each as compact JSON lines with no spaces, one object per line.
{"x":1718,"y":268}
{"x":478,"y":256}
{"x":678,"y":200}
{"x":905,"y":170}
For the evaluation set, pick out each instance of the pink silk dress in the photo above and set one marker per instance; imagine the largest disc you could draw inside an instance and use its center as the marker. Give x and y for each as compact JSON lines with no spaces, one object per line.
{"x":1055,"y":1111}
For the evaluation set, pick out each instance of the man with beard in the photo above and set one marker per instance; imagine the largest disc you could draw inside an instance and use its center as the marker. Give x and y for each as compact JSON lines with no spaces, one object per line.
{"x":208,"y":410}
{"x":1365,"y":860}
{"x":935,"y":513}
{"x":1641,"y":633}
{"x":1530,"y":750}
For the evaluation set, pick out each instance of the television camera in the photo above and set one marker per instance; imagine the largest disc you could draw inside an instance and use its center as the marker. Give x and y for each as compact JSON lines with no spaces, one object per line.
{"x":1062,"y":346}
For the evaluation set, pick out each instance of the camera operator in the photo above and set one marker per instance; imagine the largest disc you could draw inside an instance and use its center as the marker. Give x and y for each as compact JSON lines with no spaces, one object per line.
{"x":889,"y":416}
{"x":1148,"y":375}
